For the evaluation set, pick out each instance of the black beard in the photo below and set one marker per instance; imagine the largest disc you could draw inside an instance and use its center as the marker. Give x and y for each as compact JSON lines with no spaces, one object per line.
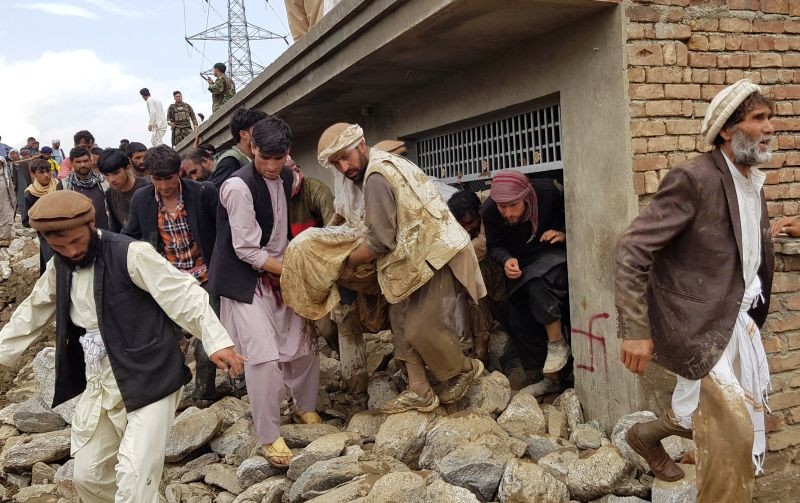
{"x":87,"y":259}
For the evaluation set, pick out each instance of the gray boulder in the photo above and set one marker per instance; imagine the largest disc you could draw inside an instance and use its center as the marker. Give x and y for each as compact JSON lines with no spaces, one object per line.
{"x":270,"y":490}
{"x":230,"y":410}
{"x":489,"y":393}
{"x":325,"y":447}
{"x":476,"y":467}
{"x":439,"y":490}
{"x":585,"y":436}
{"x":63,"y":481}
{"x":402,"y":436}
{"x":381,"y":388}
{"x":46,"y":493}
{"x":39,"y":447}
{"x":239,"y":439}
{"x":322,"y":476}
{"x":598,"y":475}
{"x":681,"y":491}
{"x":42,"y":473}
{"x":559,"y":463}
{"x":300,"y":435}
{"x":525,"y":481}
{"x":523,"y":416}
{"x":398,"y":487}
{"x":454,"y":431}
{"x":254,"y":470}
{"x":569,"y":404}
{"x":44,"y":372}
{"x":195,"y":492}
{"x":191,"y":431}
{"x":33,"y":416}
{"x":223,"y":476}
{"x":367,"y":423}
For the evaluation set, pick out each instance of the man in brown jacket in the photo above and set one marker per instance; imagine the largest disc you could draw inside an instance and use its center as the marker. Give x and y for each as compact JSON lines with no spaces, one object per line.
{"x":693,"y":279}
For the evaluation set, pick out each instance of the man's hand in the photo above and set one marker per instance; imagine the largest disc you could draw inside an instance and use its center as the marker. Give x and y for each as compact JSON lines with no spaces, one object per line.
{"x":273,"y":265}
{"x":553,"y":237}
{"x":787,"y":225}
{"x":209,"y":80}
{"x":636,"y":354}
{"x":171,"y":124}
{"x":511,"y":268}
{"x":228,"y":360}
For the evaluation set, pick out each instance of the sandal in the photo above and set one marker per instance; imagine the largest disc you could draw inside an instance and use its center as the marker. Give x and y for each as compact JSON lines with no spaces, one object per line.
{"x":306,"y":417}
{"x":277,"y":451}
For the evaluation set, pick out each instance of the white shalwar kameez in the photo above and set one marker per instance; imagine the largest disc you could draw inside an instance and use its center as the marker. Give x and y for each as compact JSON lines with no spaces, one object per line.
{"x":158,"y":121}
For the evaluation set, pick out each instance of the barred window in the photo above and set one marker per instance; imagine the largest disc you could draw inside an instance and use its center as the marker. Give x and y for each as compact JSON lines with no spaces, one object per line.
{"x":529,"y":142}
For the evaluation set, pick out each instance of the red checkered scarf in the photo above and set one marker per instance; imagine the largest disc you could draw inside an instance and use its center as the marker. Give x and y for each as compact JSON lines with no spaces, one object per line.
{"x":509,"y":187}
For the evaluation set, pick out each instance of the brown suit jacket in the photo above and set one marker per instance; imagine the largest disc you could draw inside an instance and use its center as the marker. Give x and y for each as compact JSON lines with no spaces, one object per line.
{"x":679,"y":268}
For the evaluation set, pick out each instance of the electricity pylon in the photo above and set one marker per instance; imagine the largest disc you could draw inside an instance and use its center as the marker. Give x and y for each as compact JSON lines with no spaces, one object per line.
{"x":238,"y":33}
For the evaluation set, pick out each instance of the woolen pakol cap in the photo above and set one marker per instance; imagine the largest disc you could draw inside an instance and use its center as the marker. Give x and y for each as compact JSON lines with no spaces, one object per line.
{"x":61,"y":210}
{"x":723,"y":105}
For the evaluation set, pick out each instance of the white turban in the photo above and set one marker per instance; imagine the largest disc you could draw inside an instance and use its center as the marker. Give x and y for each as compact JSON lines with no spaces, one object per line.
{"x":348,"y":139}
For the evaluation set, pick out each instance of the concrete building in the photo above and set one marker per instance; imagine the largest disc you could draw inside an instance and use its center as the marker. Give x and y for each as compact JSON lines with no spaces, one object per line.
{"x":604,"y":94}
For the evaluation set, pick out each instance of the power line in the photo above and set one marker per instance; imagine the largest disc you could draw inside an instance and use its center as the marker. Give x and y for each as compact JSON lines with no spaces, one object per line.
{"x":280,"y":20}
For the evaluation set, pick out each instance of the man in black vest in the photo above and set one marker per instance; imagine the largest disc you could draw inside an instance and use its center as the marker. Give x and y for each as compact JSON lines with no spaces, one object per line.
{"x":253,"y":234}
{"x":178,"y":217}
{"x":114,"y":301}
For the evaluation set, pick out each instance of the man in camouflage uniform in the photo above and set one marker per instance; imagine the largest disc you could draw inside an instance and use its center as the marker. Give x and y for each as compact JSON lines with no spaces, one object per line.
{"x":221,"y":89}
{"x":181,"y":117}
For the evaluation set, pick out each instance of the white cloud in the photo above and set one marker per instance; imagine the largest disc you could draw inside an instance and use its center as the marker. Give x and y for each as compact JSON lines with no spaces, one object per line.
{"x":59,"y":9}
{"x":111,"y":7}
{"x":81,"y":91}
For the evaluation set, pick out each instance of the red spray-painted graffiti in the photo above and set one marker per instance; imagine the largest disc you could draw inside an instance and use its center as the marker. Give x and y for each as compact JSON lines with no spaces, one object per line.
{"x":592,"y":337}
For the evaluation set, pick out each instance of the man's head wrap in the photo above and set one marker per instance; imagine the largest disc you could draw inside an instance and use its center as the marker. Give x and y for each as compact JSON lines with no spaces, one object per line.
{"x":723,"y":105}
{"x":509,"y":187}
{"x":396,"y":147}
{"x":61,"y":210}
{"x":338,"y":138}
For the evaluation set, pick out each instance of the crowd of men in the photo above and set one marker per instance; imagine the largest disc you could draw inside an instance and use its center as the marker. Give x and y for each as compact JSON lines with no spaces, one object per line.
{"x":144,"y":247}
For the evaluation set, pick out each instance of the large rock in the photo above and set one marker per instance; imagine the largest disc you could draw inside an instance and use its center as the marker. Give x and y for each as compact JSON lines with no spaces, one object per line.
{"x":559,"y":463}
{"x":223,"y":476}
{"x":254,"y":470}
{"x":402,"y":436}
{"x":525,"y":481}
{"x":63,"y":481}
{"x":489,"y":393}
{"x":441,"y":491}
{"x":501,"y":349}
{"x":585,"y":436}
{"x":381,"y":388}
{"x":556,"y":421}
{"x":539,"y":446}
{"x":398,"y":487}
{"x":354,"y":491}
{"x":191,"y":471}
{"x":42,"y":473}
{"x":39,"y":447}
{"x":569,"y":404}
{"x":598,"y":475}
{"x":270,"y":490}
{"x":322,"y":476}
{"x":46,"y":493}
{"x":621,"y":429}
{"x":33,"y":416}
{"x":681,"y":491}
{"x":329,"y":375}
{"x":192,"y":431}
{"x":326,"y":447}
{"x":523,"y":416}
{"x":189,"y":493}
{"x":367,"y":423}
{"x":230,"y":409}
{"x":44,"y":372}
{"x":239,"y":439}
{"x":300,"y":435}
{"x":476,"y":467}
{"x":451,"y":432}
{"x":7,"y":413}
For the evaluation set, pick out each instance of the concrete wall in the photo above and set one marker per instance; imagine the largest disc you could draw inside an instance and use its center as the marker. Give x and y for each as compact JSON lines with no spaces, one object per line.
{"x":584,"y":63}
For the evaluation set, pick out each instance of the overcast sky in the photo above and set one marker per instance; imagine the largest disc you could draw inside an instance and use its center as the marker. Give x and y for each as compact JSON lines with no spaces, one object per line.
{"x":79,"y":64}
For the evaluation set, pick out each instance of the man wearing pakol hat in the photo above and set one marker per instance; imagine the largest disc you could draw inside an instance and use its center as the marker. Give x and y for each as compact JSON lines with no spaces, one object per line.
{"x":525,"y":235}
{"x":693,"y":280}
{"x":423,"y":256}
{"x":113,"y":300}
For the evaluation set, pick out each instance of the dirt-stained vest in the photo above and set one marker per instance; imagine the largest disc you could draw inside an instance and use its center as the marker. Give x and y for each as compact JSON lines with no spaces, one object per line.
{"x":428,"y":235}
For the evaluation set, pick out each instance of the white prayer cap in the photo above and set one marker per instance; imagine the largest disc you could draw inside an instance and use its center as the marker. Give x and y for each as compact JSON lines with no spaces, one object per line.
{"x":723,"y":105}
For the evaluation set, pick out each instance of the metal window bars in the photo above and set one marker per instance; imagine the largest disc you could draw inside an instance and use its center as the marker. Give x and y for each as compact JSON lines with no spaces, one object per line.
{"x":529,"y":142}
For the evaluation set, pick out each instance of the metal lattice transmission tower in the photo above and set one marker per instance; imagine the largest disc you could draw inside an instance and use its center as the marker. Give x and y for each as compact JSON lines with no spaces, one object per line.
{"x":238,"y":33}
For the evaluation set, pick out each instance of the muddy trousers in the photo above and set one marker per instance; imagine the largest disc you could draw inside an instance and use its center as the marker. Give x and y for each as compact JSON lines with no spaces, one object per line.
{"x":127,"y":468}
{"x":352,"y":354}
{"x":266,"y":387}
{"x":723,"y":432}
{"x":424,"y":327}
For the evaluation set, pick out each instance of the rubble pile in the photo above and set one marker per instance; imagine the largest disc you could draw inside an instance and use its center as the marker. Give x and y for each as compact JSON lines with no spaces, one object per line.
{"x":500,"y":443}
